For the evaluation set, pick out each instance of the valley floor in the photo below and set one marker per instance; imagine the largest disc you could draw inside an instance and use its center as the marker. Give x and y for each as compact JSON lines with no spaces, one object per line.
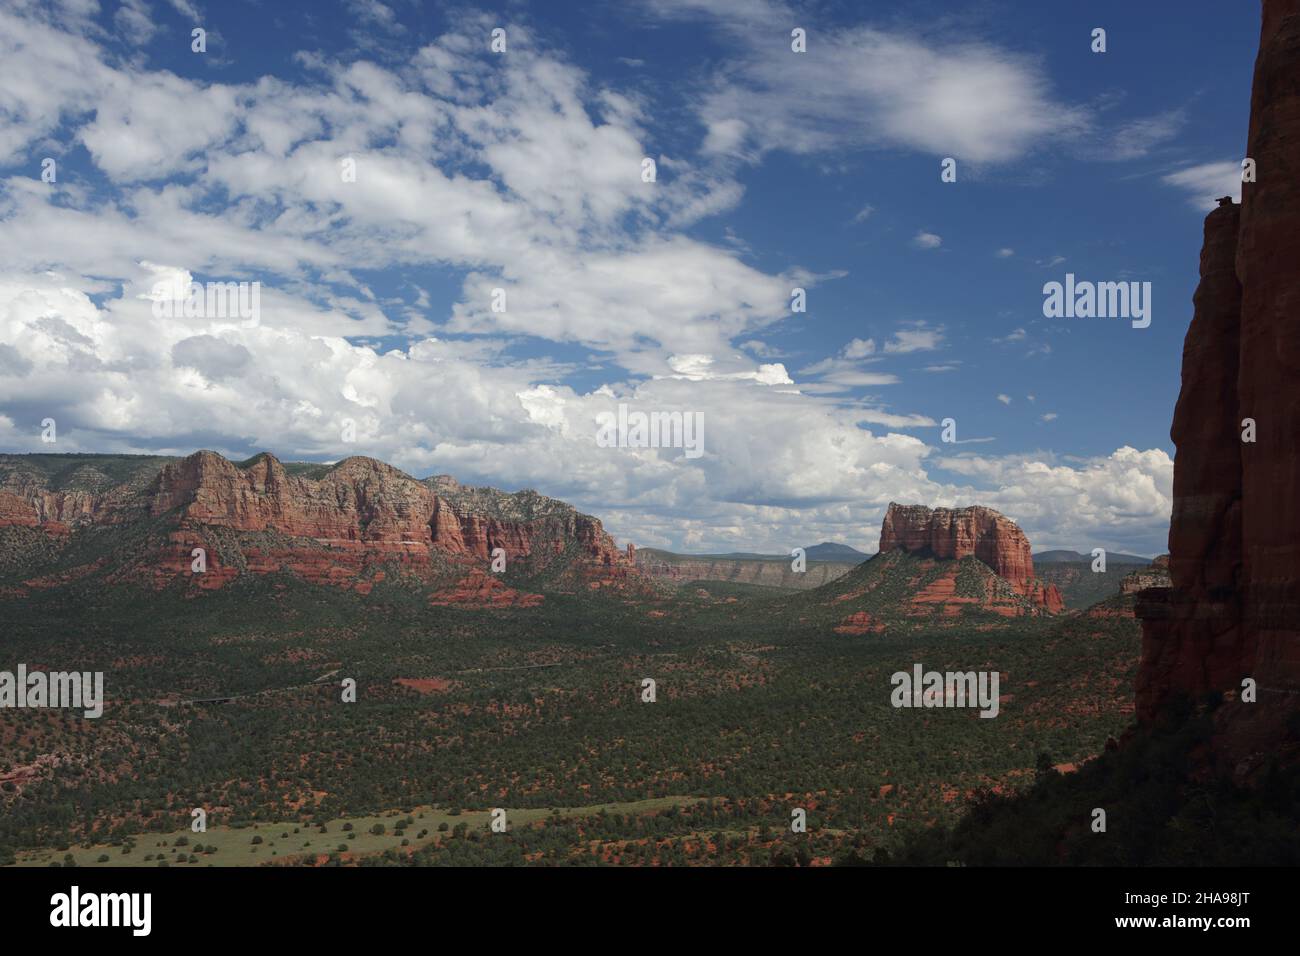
{"x":760,"y":710}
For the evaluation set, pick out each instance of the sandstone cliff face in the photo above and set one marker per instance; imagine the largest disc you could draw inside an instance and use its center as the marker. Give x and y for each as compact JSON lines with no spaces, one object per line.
{"x":85,"y":496}
{"x":362,"y":504}
{"x":56,"y":512}
{"x":529,"y":526}
{"x":1205,"y":529}
{"x":1268,"y":265}
{"x":1233,"y":610}
{"x":337,"y":528}
{"x":969,"y":532}
{"x":1192,"y":641}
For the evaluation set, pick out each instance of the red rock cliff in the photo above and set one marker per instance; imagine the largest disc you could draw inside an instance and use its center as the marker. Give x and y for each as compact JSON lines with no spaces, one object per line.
{"x":963,"y":532}
{"x":359,"y":504}
{"x":1233,"y":610}
{"x":1192,"y":641}
{"x":334,"y":528}
{"x":1268,"y":376}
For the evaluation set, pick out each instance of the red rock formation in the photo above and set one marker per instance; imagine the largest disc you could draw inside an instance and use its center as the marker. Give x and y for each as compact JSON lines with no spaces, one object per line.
{"x":337,"y":529}
{"x":53,"y":511}
{"x":965,"y":532}
{"x":1268,"y":378}
{"x":860,"y":623}
{"x":480,"y":589}
{"x":477,"y":521}
{"x":360,"y":505}
{"x":1205,"y":529}
{"x":1155,"y":576}
{"x":1045,"y":594}
{"x":25,"y":503}
{"x":1233,"y":610}
{"x":1191,"y":633}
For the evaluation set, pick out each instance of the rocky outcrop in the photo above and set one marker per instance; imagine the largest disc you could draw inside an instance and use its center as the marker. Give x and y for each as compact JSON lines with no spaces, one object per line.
{"x":1233,"y":608}
{"x":531,"y":528}
{"x":480,"y":589}
{"x":860,"y":623}
{"x":360,"y":505}
{"x":82,"y":494}
{"x":1044,"y":594}
{"x":56,"y":512}
{"x":1135,"y":584}
{"x":340,"y":526}
{"x":1154,"y":576}
{"x":969,"y":532}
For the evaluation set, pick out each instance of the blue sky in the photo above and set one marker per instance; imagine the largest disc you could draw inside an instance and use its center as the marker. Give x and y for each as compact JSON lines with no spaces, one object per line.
{"x":522,"y":170}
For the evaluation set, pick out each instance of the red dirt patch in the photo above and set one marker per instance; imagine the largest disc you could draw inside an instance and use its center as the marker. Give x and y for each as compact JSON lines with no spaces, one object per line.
{"x":860,"y":623}
{"x":479,"y":589}
{"x":425,"y":685}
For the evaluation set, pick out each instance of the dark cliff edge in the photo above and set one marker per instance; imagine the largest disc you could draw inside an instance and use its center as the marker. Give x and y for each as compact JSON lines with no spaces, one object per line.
{"x":1210,"y":774}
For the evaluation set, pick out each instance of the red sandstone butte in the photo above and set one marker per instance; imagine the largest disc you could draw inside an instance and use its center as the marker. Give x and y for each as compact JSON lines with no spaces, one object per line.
{"x":969,"y":532}
{"x":1233,"y":610}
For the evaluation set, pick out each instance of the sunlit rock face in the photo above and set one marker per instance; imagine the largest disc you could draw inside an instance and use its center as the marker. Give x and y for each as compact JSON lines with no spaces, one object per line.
{"x":969,"y":532}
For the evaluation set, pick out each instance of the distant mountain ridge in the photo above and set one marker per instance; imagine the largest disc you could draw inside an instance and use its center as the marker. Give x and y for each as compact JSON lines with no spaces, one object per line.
{"x":824,"y":563}
{"x":831,"y":551}
{"x":769,"y":570}
{"x":826,"y":551}
{"x":1063,"y":555}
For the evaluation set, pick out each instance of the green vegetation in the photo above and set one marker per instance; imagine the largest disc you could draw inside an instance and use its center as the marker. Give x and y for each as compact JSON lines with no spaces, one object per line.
{"x":1158,"y":812}
{"x":229,"y":846}
{"x":78,"y":472}
{"x":1080,"y":586}
{"x":761,"y":707}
